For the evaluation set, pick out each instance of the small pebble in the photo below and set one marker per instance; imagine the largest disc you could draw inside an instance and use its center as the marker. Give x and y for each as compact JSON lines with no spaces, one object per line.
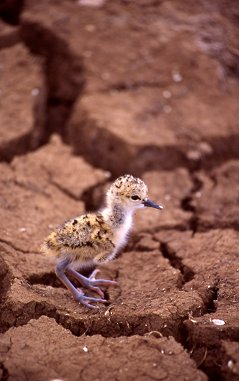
{"x":22,"y":230}
{"x":85,"y":349}
{"x":177,"y":77}
{"x":218,"y":321}
{"x":91,"y":3}
{"x":193,"y":320}
{"x":35,"y":92}
{"x":205,"y":148}
{"x":193,"y":155}
{"x":167,"y":94}
{"x":90,"y":28}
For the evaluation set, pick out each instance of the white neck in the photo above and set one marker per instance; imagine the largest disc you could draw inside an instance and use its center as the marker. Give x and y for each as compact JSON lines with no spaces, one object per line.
{"x":120,"y":221}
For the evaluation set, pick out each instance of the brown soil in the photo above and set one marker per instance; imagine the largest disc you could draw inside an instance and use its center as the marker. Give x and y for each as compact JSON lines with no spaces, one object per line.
{"x":91,"y":92}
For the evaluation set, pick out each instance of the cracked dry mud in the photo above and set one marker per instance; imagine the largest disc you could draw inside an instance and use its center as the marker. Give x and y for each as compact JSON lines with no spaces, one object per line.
{"x":88,"y":93}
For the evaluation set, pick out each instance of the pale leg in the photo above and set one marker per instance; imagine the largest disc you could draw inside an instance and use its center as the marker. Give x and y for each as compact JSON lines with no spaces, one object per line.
{"x":61,"y":268}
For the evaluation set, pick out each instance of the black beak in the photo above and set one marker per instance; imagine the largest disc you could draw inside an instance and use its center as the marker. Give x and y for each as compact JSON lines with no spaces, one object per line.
{"x":151,"y":204}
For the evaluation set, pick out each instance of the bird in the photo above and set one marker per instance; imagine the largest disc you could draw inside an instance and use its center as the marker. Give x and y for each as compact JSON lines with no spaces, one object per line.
{"x":95,"y":238}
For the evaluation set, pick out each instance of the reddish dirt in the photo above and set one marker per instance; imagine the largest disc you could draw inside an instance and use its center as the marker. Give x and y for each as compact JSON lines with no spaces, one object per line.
{"x":122,"y":356}
{"x":212,"y":258}
{"x":20,"y":84}
{"x":91,"y":92}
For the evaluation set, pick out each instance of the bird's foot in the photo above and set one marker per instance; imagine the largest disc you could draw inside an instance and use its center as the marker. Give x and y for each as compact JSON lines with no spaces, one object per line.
{"x":80,"y":297}
{"x":93,"y":283}
{"x":90,"y":283}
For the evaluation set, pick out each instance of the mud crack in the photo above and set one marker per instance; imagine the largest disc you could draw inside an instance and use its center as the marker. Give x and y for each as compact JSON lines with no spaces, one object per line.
{"x":10,"y":11}
{"x":4,"y":375}
{"x":46,"y":279}
{"x":62,"y":83}
{"x":187,"y":202}
{"x":211,"y":303}
{"x":5,"y":279}
{"x":177,"y":262}
{"x":64,"y":75}
{"x":94,"y":196}
{"x":204,"y":343}
{"x":122,"y":86}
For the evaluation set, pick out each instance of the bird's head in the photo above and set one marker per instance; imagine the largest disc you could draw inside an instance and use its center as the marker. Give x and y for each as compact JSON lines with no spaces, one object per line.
{"x":131,"y":193}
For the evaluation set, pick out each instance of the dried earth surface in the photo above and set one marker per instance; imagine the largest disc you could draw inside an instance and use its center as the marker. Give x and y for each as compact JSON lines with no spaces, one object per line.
{"x":90,"y":90}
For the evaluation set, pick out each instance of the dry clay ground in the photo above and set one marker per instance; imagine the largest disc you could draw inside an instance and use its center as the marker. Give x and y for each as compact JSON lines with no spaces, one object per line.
{"x":91,"y":92}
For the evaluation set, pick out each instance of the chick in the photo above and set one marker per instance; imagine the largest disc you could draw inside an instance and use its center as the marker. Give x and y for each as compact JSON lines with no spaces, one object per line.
{"x":96,"y":238}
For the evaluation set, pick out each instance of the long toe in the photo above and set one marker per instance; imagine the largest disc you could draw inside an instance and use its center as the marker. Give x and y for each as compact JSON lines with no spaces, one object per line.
{"x":103,"y":282}
{"x":97,"y":290}
{"x":100,"y":282}
{"x":94,"y":289}
{"x":85,"y":300}
{"x":93,"y":274}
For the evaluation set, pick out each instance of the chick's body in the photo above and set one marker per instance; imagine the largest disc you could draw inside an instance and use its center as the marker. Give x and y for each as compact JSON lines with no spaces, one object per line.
{"x":87,"y":238}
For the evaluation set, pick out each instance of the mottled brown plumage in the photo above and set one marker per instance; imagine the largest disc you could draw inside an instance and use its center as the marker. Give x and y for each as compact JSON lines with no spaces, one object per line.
{"x":86,"y":238}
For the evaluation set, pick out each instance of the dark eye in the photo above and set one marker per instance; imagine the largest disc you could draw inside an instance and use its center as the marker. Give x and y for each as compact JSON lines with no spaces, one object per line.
{"x":135,"y":197}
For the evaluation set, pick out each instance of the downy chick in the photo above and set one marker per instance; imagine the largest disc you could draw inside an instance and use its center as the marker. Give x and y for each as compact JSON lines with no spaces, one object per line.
{"x":96,"y":238}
